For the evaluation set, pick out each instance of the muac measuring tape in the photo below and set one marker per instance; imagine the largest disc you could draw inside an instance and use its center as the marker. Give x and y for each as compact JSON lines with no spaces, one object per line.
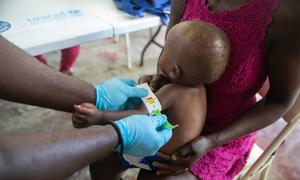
{"x":154,"y":108}
{"x":153,"y":105}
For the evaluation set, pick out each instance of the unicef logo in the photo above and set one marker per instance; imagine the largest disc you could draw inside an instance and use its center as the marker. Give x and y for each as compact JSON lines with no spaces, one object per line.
{"x":4,"y":26}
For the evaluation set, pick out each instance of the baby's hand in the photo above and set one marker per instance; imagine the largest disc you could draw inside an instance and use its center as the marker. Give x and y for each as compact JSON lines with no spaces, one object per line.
{"x":86,"y":115}
{"x":155,"y":81}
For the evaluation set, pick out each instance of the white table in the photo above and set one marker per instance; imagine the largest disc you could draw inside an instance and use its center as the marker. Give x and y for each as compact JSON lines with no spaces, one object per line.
{"x":122,"y":22}
{"x":97,"y":19}
{"x":43,"y":26}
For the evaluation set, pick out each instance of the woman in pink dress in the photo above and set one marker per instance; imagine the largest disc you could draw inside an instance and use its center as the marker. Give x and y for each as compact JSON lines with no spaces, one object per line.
{"x":265,"y":41}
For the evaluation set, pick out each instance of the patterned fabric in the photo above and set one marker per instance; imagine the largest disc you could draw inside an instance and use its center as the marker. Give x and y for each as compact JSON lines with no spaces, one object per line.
{"x":235,"y":91}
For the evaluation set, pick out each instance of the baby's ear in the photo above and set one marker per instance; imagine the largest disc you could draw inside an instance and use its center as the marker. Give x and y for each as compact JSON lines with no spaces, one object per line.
{"x":175,"y":72}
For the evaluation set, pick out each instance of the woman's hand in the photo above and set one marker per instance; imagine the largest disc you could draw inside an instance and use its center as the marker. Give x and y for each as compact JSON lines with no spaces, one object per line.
{"x":155,"y":81}
{"x":184,"y":157}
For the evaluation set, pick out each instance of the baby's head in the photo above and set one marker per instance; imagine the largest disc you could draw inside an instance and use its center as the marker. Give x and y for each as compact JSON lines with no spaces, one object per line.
{"x":195,"y":53}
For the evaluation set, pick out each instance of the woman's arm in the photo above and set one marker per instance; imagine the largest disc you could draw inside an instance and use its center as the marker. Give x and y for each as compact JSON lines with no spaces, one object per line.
{"x":283,"y":62}
{"x":53,"y":155}
{"x":176,"y":13}
{"x":284,"y":76}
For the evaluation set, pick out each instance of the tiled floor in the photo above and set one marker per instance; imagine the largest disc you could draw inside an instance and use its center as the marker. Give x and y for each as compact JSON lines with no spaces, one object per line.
{"x":287,"y":163}
{"x":104,"y":59}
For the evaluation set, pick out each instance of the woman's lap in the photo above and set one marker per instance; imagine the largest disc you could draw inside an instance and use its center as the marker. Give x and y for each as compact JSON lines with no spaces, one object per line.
{"x":225,"y":161}
{"x":222,"y":163}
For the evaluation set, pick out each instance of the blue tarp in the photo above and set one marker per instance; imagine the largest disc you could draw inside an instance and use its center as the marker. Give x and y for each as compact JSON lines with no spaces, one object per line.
{"x":138,"y":7}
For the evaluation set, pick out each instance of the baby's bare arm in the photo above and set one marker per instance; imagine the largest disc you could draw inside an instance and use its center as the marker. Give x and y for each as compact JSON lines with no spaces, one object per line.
{"x":164,"y":96}
{"x":114,"y":116}
{"x":184,"y":106}
{"x":87,"y":114}
{"x":187,"y":109}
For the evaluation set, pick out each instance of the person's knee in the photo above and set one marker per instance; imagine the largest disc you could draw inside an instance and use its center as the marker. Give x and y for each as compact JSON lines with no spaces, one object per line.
{"x":146,"y":175}
{"x":108,"y":168}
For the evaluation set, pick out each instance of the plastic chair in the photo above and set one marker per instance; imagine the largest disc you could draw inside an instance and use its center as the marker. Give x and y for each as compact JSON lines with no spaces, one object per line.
{"x":262,"y":164}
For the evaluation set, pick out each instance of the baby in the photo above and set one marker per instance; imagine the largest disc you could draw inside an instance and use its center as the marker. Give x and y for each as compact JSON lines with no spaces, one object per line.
{"x":195,"y":54}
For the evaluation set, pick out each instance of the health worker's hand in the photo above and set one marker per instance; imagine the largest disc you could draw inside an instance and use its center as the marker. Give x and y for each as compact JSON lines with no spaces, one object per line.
{"x":117,"y":93}
{"x":143,"y":135}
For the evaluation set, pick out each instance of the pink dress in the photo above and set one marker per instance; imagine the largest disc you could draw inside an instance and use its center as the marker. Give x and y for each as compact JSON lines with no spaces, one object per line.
{"x":234,"y":93}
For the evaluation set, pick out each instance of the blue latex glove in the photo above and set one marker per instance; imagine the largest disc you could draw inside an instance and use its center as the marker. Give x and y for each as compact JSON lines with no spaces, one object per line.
{"x":113,"y":94}
{"x":143,"y":135}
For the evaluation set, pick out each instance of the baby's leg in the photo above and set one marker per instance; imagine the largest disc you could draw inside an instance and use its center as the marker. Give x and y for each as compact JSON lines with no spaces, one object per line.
{"x":109,"y":168}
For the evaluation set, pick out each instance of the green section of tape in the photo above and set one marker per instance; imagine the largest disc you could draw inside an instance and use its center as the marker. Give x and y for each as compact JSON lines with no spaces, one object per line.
{"x":155,"y":113}
{"x":168,"y":125}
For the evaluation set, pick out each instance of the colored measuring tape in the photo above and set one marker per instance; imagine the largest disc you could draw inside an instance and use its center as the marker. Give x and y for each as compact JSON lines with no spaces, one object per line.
{"x":153,"y":105}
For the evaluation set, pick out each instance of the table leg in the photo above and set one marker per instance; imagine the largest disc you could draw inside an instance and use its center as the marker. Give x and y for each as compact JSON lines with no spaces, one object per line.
{"x":128,"y":53}
{"x":150,"y":32}
{"x":116,"y":38}
{"x":152,"y":40}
